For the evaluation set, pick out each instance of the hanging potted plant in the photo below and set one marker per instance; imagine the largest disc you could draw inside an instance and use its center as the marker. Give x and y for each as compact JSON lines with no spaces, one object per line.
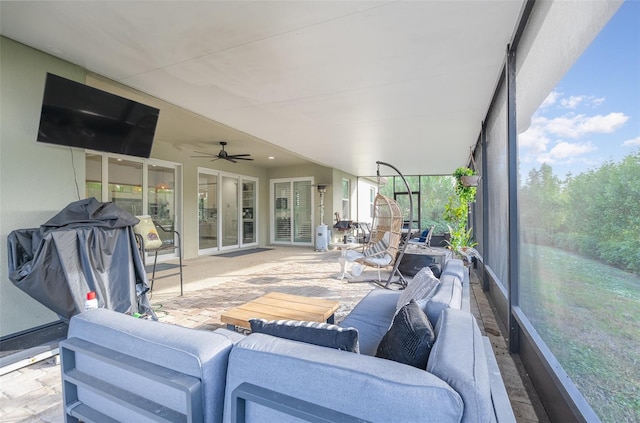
{"x":470,"y":180}
{"x":466,"y":183}
{"x":466,"y":177}
{"x":457,"y":212}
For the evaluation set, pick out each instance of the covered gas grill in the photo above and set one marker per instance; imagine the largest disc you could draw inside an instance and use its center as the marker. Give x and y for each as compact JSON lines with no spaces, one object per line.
{"x":345,"y":227}
{"x":88,"y":246}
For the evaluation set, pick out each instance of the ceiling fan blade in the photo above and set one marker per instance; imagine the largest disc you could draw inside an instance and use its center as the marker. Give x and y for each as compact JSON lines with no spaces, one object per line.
{"x":233,"y":158}
{"x":205,"y":154}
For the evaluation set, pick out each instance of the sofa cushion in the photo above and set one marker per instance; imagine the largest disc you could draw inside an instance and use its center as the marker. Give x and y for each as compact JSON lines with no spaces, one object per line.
{"x":201,"y":354}
{"x":372,"y":317}
{"x":454,"y":267}
{"x":448,"y":294}
{"x":409,"y":338}
{"x":422,"y":286}
{"x":458,"y":358}
{"x":322,"y":334}
{"x":367,"y":388}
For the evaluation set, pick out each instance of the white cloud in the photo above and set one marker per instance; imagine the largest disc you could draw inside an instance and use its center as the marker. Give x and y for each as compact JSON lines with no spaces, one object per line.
{"x":565,"y":152}
{"x":635,"y":142}
{"x":535,"y":134}
{"x":559,"y":138}
{"x":604,"y":124}
{"x":572,"y":102}
{"x":550,"y":100}
{"x":576,"y":126}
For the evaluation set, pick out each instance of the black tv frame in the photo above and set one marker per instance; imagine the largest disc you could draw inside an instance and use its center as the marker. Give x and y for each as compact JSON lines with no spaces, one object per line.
{"x":77,"y":115}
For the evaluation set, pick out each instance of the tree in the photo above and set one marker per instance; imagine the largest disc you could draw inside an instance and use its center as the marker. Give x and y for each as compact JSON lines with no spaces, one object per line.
{"x":604,"y":212}
{"x":542,"y":204}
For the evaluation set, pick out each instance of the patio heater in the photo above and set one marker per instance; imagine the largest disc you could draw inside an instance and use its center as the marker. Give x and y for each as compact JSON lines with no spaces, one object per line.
{"x":322,"y":232}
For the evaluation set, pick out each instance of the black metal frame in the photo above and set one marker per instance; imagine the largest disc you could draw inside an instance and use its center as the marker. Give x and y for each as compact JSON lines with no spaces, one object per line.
{"x":403,"y":245}
{"x":561,"y":398}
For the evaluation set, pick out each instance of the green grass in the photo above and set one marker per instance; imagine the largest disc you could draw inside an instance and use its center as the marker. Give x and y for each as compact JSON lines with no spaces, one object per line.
{"x":588,"y":314}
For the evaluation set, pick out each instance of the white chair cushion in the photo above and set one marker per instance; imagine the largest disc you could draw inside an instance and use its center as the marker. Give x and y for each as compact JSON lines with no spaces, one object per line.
{"x":147,"y":230}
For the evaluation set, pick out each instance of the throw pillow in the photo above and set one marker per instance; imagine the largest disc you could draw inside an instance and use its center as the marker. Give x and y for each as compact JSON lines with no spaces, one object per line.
{"x":322,"y":334}
{"x":423,"y":286}
{"x":147,"y":230}
{"x":410,"y":338}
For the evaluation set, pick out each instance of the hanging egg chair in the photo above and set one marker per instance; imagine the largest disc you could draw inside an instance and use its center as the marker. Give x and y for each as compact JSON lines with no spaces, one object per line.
{"x":386,"y":234}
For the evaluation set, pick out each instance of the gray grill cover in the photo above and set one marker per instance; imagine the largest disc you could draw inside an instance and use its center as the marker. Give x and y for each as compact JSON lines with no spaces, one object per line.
{"x":88,"y":246}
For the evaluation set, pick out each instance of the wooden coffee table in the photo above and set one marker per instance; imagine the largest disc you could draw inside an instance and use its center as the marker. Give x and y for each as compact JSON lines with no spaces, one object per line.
{"x":279,"y":306}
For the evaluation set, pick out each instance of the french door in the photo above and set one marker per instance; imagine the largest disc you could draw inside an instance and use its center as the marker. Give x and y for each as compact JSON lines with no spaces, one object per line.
{"x":292,"y":211}
{"x":226,"y":211}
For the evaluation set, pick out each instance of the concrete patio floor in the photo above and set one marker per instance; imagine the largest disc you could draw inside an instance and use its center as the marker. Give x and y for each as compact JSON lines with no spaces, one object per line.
{"x":213,"y":284}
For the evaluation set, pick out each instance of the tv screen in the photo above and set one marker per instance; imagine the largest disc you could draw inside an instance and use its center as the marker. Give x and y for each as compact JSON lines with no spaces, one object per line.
{"x":77,"y":115}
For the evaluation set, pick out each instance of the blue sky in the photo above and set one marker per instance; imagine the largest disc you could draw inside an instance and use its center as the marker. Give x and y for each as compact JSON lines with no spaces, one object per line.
{"x":593,"y":114}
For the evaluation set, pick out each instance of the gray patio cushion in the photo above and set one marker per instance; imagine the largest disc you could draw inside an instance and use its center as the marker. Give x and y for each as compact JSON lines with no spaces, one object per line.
{"x":447,"y":295}
{"x":366,"y":387}
{"x":372,"y":318}
{"x":466,"y":369}
{"x":196,"y":353}
{"x":454,"y":267}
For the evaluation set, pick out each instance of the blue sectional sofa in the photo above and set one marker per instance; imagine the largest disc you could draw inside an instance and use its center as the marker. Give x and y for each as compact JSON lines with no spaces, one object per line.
{"x":129,"y":369}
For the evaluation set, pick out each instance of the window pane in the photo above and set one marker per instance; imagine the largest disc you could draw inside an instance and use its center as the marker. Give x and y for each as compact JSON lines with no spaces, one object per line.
{"x":580,"y":220}
{"x":302,"y":210}
{"x":248,"y":212}
{"x":125,"y":185}
{"x":93,"y":176}
{"x":434,"y":193}
{"x":346,"y":205}
{"x":282,"y":212}
{"x":162,"y":201}
{"x":346,"y":192}
{"x":207,"y":211}
{"x":230,"y":211}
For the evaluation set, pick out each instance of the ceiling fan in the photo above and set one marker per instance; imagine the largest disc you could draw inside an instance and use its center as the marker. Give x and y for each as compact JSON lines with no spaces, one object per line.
{"x":233,"y":158}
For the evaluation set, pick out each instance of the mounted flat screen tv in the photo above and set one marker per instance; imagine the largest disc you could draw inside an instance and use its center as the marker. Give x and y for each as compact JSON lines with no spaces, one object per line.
{"x":77,"y":115}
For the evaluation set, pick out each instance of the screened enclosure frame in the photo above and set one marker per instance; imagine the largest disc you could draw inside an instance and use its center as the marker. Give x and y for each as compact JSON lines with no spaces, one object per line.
{"x":501,"y":283}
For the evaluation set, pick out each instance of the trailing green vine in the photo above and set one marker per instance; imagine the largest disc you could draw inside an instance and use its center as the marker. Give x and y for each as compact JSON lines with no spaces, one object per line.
{"x":457,"y":211}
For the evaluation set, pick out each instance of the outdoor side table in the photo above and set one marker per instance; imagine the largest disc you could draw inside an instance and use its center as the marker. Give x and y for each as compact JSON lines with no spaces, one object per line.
{"x":343,"y":247}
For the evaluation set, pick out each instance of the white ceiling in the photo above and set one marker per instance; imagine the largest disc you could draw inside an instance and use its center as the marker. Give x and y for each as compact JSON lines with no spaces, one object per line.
{"x":342,"y":83}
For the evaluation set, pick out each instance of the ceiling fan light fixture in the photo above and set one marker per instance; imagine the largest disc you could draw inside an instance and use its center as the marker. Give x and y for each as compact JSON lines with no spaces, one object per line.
{"x":224,"y":155}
